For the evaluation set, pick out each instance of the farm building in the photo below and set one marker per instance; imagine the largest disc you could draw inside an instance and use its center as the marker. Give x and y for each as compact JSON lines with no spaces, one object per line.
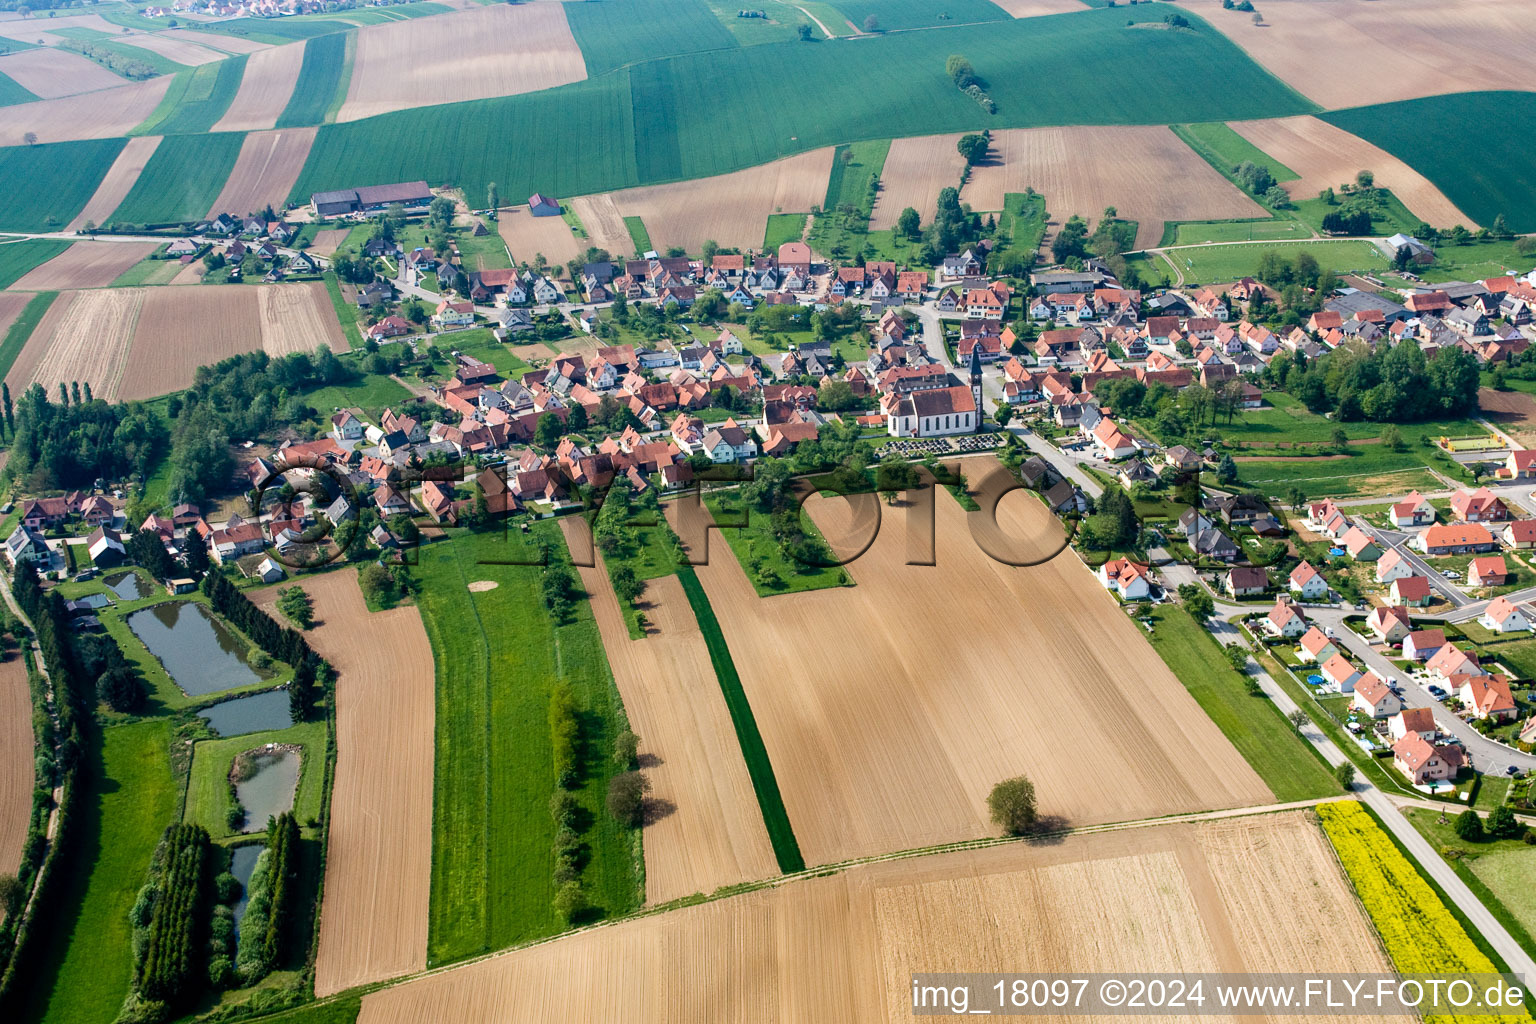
{"x":541,"y":205}
{"x":370,"y":197}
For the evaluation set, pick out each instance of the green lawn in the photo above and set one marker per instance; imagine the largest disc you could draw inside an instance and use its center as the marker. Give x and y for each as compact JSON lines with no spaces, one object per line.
{"x":1497,"y":871}
{"x":1224,"y":149}
{"x":1507,"y":874}
{"x":1216,"y":263}
{"x":783,"y":227}
{"x":498,"y":656}
{"x":1474,"y":262}
{"x":372,"y":394}
{"x":196,"y":99}
{"x":638,"y":236}
{"x":755,"y":542}
{"x":182,"y":179}
{"x":1494,"y":177}
{"x":208,"y":786}
{"x":1198,"y":232}
{"x":148,"y":272}
{"x":22,"y":327}
{"x":346,"y":312}
{"x":662,"y":120}
{"x":786,"y":849}
{"x":72,"y":171}
{"x":17,"y":258}
{"x":85,"y":964}
{"x":323,"y":77}
{"x":853,"y":168}
{"x":1286,"y":763}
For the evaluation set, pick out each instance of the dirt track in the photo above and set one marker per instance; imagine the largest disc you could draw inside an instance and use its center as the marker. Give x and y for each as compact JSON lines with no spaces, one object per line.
{"x":707,"y":830}
{"x":85,"y":265}
{"x":842,"y":948}
{"x":264,"y":89}
{"x":1327,"y":157}
{"x":373,"y":922}
{"x":119,"y":181}
{"x":464,"y":55}
{"x":16,"y":754}
{"x":887,"y":732}
{"x":1145,"y":172}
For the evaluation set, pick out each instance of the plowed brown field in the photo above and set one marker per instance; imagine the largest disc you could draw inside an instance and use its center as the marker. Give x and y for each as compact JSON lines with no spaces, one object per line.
{"x":1034,"y":8}
{"x":297,"y":318}
{"x":85,"y":265}
{"x":1145,"y":172}
{"x":1347,"y":53}
{"x":915,"y":170}
{"x":49,"y":73}
{"x":182,"y":51}
{"x":1513,"y":412}
{"x":11,"y":305}
{"x":96,"y":115}
{"x":83,"y":337}
{"x":527,"y":236}
{"x":373,"y":920}
{"x":465,"y":55}
{"x":16,"y":757}
{"x":729,"y":208}
{"x":268,"y":165}
{"x":1326,"y":157}
{"x":941,"y":681}
{"x":604,"y":224}
{"x":708,"y":831}
{"x":843,"y":948}
{"x":264,"y":89}
{"x":217,"y":41}
{"x":120,"y":179}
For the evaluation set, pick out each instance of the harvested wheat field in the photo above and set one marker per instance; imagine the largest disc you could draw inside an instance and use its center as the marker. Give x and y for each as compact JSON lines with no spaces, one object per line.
{"x":327,"y":239}
{"x":1145,"y":172}
{"x":216,"y":40}
{"x":264,"y":89}
{"x":961,"y":674}
{"x":16,"y":745}
{"x":11,"y":305}
{"x":96,"y":115}
{"x":526,"y":236}
{"x":1513,"y":412}
{"x":85,"y":265}
{"x":31,"y":30}
{"x":1035,"y":8}
{"x":915,"y":170}
{"x":268,"y":165}
{"x":83,"y":337}
{"x":373,"y":920}
{"x":1326,"y":157}
{"x":603,"y":222}
{"x":468,"y":55}
{"x":729,"y":208}
{"x":707,"y":830}
{"x":1334,"y":51}
{"x":191,"y":273}
{"x":298,"y":317}
{"x":842,"y":948}
{"x":182,"y":51}
{"x":50,"y":73}
{"x":119,"y":181}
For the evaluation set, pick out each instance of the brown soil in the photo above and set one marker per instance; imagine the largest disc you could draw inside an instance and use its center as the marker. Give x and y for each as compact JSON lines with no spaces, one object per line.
{"x":16,"y":755}
{"x":268,"y":165}
{"x":120,"y":179}
{"x":264,"y":89}
{"x":85,"y":265}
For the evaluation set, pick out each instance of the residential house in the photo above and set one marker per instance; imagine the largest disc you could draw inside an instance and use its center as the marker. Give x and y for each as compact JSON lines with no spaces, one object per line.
{"x":1339,"y":673}
{"x":1519,"y":534}
{"x":1193,"y":521}
{"x":1244,"y":581}
{"x":1285,"y":619}
{"x":1423,"y":644}
{"x":1111,"y":442}
{"x":453,"y":316}
{"x":1414,"y":510}
{"x":1488,"y":697}
{"x":1479,"y":506}
{"x":1451,"y":660}
{"x":1411,"y":591}
{"x":1418,"y":722}
{"x":1389,"y":624}
{"x":25,"y":545}
{"x":1315,"y":646}
{"x":1504,"y":616}
{"x":1308,"y":583}
{"x":1425,"y":762}
{"x":105,"y":546}
{"x":237,"y":539}
{"x":1455,"y":539}
{"x":1362,"y":547}
{"x":1393,"y":565}
{"x":1375,"y":698}
{"x":1124,"y":577}
{"x":1214,"y":544}
{"x":1488,"y":571}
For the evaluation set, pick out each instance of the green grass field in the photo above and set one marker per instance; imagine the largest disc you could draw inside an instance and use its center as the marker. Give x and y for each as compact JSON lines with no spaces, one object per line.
{"x":782,"y":24}
{"x":1507,"y":875}
{"x":661,"y":120}
{"x":373,"y":394}
{"x":275,"y":31}
{"x":208,"y":785}
{"x":853,"y":168}
{"x":1254,"y":725}
{"x":196,"y":99}
{"x":1225,"y":149}
{"x":1491,"y":869}
{"x":147,"y":272}
{"x":614,"y":35}
{"x":905,"y":14}
{"x":786,"y":850}
{"x":638,"y":235}
{"x":755,"y":541}
{"x":1474,"y":262}
{"x":1494,"y":176}
{"x":322,"y":77}
{"x":346,"y":312}
{"x":72,"y":170}
{"x":182,"y":179}
{"x":1215,"y":263}
{"x":75,"y":38}
{"x":11,"y":92}
{"x":16,"y":258}
{"x":22,"y":327}
{"x":1196,"y":232}
{"x":783,"y":227}
{"x":498,"y":657}
{"x":130,"y":797}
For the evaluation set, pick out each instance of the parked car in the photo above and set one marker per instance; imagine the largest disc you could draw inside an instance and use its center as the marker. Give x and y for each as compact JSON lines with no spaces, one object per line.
{"x":1513,"y":771}
{"x":1436,"y":692}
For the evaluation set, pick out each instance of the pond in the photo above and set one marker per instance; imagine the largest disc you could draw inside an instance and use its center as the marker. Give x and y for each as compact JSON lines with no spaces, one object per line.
{"x":200,"y":653}
{"x":259,"y":712}
{"x":242,"y":861}
{"x":270,"y":787}
{"x":127,"y":586}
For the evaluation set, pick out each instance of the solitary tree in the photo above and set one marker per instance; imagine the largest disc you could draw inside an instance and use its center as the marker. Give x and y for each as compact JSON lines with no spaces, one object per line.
{"x":1469,"y":827}
{"x":1012,"y":805}
{"x":804,"y":28}
{"x":626,"y":798}
{"x":909,"y":224}
{"x":1297,"y":718}
{"x":1502,"y":823}
{"x":1345,"y":773}
{"x":492,"y":198}
{"x":1365,"y":179}
{"x":973,"y":147}
{"x":871,"y":24}
{"x":30,"y":138}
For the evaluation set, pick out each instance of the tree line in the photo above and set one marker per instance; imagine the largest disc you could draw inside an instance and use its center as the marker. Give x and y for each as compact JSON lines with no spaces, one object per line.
{"x":273,"y":901}
{"x":282,"y":643}
{"x":1390,"y":384}
{"x":170,"y":918}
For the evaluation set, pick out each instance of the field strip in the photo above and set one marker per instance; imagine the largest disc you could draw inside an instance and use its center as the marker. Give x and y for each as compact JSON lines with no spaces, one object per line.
{"x":713,"y":833}
{"x":1036,"y":8}
{"x":604,"y":223}
{"x":98,"y":115}
{"x":87,"y":342}
{"x":914,"y":172}
{"x":298,"y":317}
{"x":264,"y":89}
{"x":268,"y":165}
{"x":217,"y":40}
{"x":50,"y":73}
{"x":125,"y":170}
{"x":1327,"y":156}
{"x":180,"y":329}
{"x":842,"y":947}
{"x":468,"y":55}
{"x":16,"y":757}
{"x":182,"y":51}
{"x":85,"y":265}
{"x":373,"y":920}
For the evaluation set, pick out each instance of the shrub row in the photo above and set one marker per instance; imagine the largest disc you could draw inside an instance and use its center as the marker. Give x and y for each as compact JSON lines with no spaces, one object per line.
{"x":273,"y":895}
{"x":171,"y":949}
{"x":280,"y":642}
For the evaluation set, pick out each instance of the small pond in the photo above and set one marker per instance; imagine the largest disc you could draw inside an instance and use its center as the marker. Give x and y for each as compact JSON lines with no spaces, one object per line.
{"x":270,"y":788}
{"x":259,"y":712}
{"x":127,"y":586}
{"x":242,"y":861}
{"x":200,"y":653}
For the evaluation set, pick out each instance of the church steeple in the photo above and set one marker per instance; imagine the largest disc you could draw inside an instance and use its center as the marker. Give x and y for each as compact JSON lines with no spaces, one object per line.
{"x":976,"y":381}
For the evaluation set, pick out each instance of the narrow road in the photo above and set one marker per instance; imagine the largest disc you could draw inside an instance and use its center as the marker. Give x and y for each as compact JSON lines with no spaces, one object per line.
{"x":824,"y":30}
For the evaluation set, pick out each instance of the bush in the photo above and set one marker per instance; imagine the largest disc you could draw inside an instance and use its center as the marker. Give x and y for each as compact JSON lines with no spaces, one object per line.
{"x":1012,"y":803}
{"x":227,"y":888}
{"x":626,"y":749}
{"x":1469,"y":827}
{"x":1345,"y":773}
{"x":570,"y":901}
{"x":564,"y":809}
{"x":1502,"y":823}
{"x":564,"y":732}
{"x":626,"y":798}
{"x":121,"y":688}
